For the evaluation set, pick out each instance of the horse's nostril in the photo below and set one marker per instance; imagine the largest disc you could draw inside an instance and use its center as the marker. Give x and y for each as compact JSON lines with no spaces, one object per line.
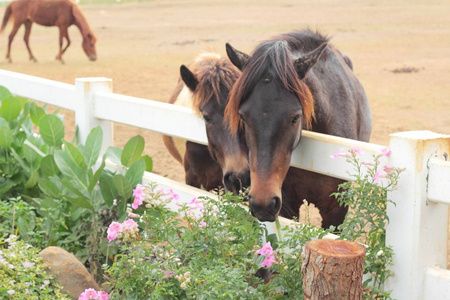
{"x":232,"y":183}
{"x":276,"y":203}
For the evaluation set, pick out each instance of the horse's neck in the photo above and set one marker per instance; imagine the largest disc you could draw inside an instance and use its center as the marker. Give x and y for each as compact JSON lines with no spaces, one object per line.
{"x":81,"y":22}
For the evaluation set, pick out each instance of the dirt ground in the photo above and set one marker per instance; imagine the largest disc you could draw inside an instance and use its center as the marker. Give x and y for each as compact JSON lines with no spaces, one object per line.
{"x":400,"y":51}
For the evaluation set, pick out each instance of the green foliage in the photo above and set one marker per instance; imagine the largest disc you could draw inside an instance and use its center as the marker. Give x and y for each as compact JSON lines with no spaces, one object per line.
{"x":366,"y":219}
{"x":206,"y":250}
{"x":23,"y":275}
{"x":65,"y":184}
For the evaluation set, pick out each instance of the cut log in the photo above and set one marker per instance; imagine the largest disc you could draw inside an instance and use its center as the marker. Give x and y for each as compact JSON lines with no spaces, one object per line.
{"x":333,"y":269}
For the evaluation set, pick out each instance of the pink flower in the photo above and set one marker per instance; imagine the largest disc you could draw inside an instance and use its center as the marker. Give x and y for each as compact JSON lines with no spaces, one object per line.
{"x":270,"y":259}
{"x":168,"y":274}
{"x":386,"y":151}
{"x":27,"y":264}
{"x":356,"y":150}
{"x":265,"y":250}
{"x":139,"y":196}
{"x":130,"y":225}
{"x":366,"y":163}
{"x":388,"y":169}
{"x":112,"y":237}
{"x":113,"y":231}
{"x":340,"y":153}
{"x":173,"y":194}
{"x":202,"y":224}
{"x":196,"y":204}
{"x":88,"y":294}
{"x":131,"y":215}
{"x":378,"y":175}
{"x":101,"y":295}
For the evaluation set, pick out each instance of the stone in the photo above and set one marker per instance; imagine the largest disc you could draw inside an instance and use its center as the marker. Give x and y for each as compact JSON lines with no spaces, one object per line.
{"x":68,"y":271}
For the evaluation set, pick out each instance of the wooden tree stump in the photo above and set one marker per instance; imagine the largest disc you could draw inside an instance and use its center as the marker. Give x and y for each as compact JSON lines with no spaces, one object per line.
{"x":333,"y":269}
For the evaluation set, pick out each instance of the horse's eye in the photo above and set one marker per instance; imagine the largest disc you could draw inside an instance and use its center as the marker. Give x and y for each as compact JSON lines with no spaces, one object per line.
{"x":295,"y":119}
{"x":241,"y":118}
{"x":207,"y":119}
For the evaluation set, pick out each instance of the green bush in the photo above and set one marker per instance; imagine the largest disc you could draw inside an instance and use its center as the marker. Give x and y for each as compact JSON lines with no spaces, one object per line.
{"x":23,"y":275}
{"x":65,"y":185}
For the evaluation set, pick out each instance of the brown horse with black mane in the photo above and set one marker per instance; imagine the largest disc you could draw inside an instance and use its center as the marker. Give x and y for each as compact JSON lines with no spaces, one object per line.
{"x":60,"y":13}
{"x":294,"y":81}
{"x":205,"y":87}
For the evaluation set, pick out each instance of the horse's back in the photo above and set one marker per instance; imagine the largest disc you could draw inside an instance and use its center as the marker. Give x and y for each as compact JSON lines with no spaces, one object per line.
{"x":341,"y":104}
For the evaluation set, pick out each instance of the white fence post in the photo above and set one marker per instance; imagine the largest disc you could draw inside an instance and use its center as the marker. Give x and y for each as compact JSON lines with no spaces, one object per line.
{"x":418,"y":228}
{"x":84,"y":114}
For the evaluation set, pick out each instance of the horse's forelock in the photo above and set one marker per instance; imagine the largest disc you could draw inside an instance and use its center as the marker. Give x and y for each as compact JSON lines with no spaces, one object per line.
{"x":275,"y":56}
{"x":215,"y":75}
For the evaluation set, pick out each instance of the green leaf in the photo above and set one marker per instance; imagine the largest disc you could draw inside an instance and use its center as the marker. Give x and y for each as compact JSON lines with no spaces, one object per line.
{"x":36,"y":113}
{"x":70,"y":169}
{"x":49,"y":187}
{"x":10,"y":108}
{"x":122,"y":185}
{"x":25,"y":225}
{"x":6,"y":186}
{"x":93,"y":146}
{"x":76,"y":155}
{"x":113,"y":154}
{"x":6,"y":137}
{"x":29,"y":154}
{"x":48,"y":166}
{"x":3,"y":122}
{"x":109,"y":192}
{"x":80,"y":201}
{"x":96,"y":177}
{"x":33,"y":180}
{"x":148,"y":163}
{"x":51,"y":129}
{"x":4,"y":92}
{"x":136,"y":172}
{"x":132,"y":150}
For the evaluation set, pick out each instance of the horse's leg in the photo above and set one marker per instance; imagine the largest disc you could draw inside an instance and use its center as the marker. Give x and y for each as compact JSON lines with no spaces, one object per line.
{"x":66,"y":35}
{"x":61,"y":39}
{"x":26,"y":38}
{"x":11,"y":38}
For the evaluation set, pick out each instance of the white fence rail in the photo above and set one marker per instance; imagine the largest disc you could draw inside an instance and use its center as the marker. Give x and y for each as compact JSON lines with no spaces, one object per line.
{"x":418,"y":222}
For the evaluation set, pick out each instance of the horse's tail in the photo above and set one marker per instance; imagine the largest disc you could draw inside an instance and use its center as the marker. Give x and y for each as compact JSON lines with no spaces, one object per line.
{"x":175,"y":147}
{"x":6,"y":17}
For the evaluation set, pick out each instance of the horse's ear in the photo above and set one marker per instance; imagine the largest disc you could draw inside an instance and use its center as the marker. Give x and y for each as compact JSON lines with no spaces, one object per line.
{"x":304,"y":63}
{"x":238,"y":58}
{"x":188,"y":78}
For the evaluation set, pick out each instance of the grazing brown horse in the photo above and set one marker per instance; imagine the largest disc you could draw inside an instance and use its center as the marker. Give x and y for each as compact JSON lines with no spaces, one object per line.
{"x":205,"y":87}
{"x":60,"y":13}
{"x":294,"y":81}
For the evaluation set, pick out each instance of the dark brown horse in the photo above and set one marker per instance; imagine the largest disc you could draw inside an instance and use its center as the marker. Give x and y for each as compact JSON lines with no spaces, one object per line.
{"x":205,"y":87}
{"x":60,"y":13}
{"x":294,"y":81}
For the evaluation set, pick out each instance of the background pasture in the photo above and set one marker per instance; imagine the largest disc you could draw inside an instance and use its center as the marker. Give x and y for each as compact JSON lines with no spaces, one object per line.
{"x":400,"y":51}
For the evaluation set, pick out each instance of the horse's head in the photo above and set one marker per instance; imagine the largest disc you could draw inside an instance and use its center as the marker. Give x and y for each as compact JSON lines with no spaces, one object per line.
{"x":272,"y":104}
{"x":210,"y":82}
{"x":89,"y":41}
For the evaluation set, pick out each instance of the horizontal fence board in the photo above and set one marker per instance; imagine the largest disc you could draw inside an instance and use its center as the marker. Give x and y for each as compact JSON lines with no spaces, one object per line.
{"x":315,"y":150}
{"x":161,"y":117}
{"x":44,"y":90}
{"x":439,"y":181}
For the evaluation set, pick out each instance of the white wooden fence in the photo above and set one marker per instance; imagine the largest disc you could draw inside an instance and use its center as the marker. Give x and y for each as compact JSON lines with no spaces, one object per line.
{"x":418,"y":222}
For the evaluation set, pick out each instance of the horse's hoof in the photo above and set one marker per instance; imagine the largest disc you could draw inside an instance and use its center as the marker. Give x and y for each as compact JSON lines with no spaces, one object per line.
{"x":33,"y":59}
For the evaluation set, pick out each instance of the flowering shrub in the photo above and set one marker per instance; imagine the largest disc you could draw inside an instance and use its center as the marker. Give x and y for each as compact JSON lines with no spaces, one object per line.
{"x":366,"y":219}
{"x":209,"y":249}
{"x":23,"y":275}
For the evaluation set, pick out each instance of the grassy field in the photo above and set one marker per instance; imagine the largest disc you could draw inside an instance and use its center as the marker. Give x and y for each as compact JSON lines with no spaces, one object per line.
{"x":400,"y":51}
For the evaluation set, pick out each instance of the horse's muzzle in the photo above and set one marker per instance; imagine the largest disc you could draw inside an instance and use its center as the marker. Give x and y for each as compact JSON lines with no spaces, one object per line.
{"x":267,"y":212}
{"x":236,"y":182}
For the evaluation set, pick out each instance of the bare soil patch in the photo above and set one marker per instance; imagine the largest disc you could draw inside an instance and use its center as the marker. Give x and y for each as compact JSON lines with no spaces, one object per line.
{"x":142,"y":45}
